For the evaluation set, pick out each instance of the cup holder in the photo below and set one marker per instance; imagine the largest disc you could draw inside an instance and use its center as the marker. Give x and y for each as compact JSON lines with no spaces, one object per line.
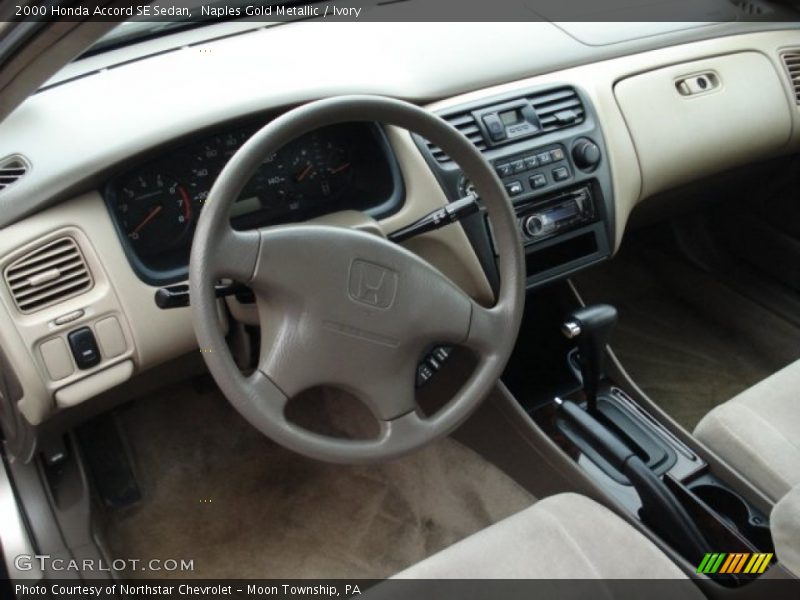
{"x":727,"y":504}
{"x":735,"y":511}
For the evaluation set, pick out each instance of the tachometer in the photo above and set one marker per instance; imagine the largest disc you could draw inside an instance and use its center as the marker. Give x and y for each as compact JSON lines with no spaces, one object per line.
{"x":155,"y":212}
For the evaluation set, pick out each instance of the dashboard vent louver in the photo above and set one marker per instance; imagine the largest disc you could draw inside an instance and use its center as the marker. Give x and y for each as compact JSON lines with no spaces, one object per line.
{"x":48,"y":275}
{"x":791,"y":59}
{"x":12,"y":168}
{"x":466,"y":124}
{"x":557,"y":108}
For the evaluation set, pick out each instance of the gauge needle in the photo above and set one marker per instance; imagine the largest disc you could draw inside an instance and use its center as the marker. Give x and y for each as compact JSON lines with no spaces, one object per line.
{"x":339,"y":168}
{"x":305,"y":172}
{"x":153,"y":212}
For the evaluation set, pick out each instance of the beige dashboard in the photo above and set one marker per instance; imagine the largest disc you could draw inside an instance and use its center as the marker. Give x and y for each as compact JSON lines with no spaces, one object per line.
{"x":656,"y":138}
{"x":648,"y":124}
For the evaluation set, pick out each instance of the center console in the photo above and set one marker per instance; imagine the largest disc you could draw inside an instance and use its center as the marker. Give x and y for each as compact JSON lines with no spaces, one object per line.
{"x":587,"y":405}
{"x":547,"y":148}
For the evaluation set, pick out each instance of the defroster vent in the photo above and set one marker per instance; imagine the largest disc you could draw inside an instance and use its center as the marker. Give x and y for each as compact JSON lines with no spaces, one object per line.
{"x":48,"y":275}
{"x":12,"y":168}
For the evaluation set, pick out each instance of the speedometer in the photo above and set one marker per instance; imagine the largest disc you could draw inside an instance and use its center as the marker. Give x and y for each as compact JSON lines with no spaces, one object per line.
{"x":155,"y":212}
{"x":320,"y":168}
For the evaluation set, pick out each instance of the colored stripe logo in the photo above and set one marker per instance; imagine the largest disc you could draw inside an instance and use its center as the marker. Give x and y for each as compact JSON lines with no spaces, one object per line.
{"x":734,"y":562}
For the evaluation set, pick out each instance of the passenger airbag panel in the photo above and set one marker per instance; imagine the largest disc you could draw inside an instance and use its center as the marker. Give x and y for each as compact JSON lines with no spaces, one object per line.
{"x":679,"y":138}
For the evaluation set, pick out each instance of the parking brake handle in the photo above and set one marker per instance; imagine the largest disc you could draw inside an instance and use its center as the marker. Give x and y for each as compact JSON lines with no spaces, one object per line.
{"x":661,"y":510}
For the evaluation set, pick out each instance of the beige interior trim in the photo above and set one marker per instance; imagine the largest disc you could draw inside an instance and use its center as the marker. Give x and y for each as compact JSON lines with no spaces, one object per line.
{"x":152,"y":336}
{"x":599,"y":79}
{"x":448,"y":249}
{"x":45,"y":54}
{"x":785,"y":528}
{"x":92,"y":386}
{"x":680,"y":138}
{"x":156,"y":336}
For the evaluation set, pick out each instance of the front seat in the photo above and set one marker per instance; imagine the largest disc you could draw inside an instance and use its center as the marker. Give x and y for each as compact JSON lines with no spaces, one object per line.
{"x":566,"y":536}
{"x":758,"y":432}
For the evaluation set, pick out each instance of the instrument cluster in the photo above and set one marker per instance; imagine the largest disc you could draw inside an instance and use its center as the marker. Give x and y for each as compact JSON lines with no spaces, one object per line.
{"x":156,"y":205}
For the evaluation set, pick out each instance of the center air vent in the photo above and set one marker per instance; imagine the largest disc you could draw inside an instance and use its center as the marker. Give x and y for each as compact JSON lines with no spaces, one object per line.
{"x":12,"y":168}
{"x":792,"y":61}
{"x":48,"y":275}
{"x":466,"y":124}
{"x":556,"y":108}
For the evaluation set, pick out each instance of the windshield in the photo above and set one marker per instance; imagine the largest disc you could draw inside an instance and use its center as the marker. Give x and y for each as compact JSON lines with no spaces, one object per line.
{"x":155,"y":19}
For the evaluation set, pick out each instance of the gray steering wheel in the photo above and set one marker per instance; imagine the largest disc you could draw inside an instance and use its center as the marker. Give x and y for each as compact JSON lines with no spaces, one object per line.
{"x":349,"y":309}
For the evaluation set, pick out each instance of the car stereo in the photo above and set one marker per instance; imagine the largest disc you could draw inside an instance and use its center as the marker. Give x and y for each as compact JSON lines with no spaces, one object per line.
{"x":562,"y":213}
{"x":547,"y":148}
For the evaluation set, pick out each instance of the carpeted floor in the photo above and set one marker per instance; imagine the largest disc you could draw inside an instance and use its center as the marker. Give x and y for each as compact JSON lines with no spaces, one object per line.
{"x":689,"y":341}
{"x":218,"y":492}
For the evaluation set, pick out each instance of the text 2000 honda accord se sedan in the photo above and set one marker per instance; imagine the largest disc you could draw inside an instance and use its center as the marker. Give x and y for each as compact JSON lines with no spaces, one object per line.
{"x":383,"y":299}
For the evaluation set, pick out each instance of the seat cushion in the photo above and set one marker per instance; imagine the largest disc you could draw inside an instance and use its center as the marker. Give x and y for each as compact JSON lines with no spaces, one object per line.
{"x":785,"y":527}
{"x":758,"y":432}
{"x":566,"y":536}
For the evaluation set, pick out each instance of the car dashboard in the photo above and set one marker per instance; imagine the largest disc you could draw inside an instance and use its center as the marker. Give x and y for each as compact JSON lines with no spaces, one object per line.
{"x":116,"y":185}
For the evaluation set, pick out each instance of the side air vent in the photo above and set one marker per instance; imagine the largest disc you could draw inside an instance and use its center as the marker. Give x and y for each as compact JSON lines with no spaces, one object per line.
{"x":792,"y":61}
{"x":12,"y":168}
{"x":557,"y":109}
{"x":48,"y":275}
{"x":466,"y":124}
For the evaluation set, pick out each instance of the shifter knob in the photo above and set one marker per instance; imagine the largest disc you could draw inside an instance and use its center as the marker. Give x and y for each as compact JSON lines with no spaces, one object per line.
{"x":591,"y":326}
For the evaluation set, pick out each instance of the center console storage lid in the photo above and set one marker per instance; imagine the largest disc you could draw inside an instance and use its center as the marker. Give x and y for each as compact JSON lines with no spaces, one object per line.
{"x":703,"y":117}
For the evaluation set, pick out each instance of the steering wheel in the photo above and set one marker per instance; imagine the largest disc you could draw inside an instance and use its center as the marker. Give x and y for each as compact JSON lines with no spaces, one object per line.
{"x":346,"y":308}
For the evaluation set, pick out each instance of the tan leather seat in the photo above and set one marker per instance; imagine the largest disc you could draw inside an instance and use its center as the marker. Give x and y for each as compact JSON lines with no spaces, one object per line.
{"x":758,"y":432}
{"x":564,"y":536}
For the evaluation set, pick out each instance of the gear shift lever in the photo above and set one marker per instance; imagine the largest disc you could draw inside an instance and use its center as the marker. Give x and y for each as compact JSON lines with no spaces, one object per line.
{"x":590,"y":327}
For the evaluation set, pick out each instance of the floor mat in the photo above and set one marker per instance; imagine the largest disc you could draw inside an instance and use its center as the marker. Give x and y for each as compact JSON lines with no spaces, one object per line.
{"x":689,"y":341}
{"x":218,"y":492}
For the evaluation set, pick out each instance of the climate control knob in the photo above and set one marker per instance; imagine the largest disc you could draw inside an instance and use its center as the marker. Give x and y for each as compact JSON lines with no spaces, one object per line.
{"x":586,"y":154}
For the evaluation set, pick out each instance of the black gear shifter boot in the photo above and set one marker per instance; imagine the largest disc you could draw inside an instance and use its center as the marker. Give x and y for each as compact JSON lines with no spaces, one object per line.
{"x":590,"y":327}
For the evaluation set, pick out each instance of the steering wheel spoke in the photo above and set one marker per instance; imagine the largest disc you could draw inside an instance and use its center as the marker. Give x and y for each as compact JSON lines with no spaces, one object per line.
{"x":487,"y":325}
{"x":234,"y":254}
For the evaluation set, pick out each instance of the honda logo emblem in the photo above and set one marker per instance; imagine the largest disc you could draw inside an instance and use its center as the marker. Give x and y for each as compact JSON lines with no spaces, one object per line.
{"x":372,"y":284}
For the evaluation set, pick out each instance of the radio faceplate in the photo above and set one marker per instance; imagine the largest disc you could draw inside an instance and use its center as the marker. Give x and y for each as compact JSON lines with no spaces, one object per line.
{"x":563,"y":213}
